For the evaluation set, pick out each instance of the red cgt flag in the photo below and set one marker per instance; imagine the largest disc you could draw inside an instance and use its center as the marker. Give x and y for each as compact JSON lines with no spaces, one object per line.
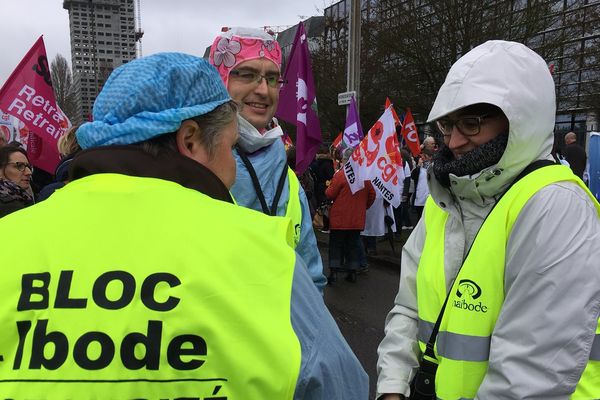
{"x":28,"y":96}
{"x":410,"y":134}
{"x":338,"y":141}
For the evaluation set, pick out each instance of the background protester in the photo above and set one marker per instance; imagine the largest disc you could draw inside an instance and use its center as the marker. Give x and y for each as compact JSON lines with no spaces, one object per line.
{"x":419,"y":178}
{"x":346,"y":220}
{"x":15,"y":180}
{"x":379,"y":221}
{"x":68,"y":147}
{"x":429,"y":144}
{"x":403,"y":217}
{"x":307,"y":180}
{"x":574,"y":154}
{"x":323,"y":170}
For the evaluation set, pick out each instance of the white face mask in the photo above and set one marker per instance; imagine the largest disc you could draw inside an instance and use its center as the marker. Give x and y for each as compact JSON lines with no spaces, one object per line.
{"x":252,"y":140}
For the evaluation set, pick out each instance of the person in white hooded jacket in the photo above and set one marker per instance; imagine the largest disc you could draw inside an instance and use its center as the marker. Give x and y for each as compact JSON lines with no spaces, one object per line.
{"x":511,"y":242}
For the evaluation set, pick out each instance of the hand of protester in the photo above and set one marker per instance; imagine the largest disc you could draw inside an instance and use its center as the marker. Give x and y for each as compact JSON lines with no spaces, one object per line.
{"x":327,"y":183}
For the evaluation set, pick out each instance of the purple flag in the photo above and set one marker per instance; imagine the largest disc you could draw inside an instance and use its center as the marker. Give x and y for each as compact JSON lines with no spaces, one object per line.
{"x":353,"y":132}
{"x":298,"y":103}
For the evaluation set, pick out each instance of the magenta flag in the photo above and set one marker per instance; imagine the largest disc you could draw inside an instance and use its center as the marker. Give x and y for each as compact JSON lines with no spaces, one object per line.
{"x":28,"y":96}
{"x":353,"y":132}
{"x":298,"y":103}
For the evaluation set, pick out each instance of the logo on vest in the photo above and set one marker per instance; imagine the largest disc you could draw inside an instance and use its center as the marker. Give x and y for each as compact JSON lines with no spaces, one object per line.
{"x":469,"y":291}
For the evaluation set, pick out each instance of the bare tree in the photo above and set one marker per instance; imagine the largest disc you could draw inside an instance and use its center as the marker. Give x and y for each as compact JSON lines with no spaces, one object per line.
{"x":408,"y":47}
{"x":329,"y":69}
{"x":62,"y":82}
{"x":589,"y":20}
{"x":421,"y":41}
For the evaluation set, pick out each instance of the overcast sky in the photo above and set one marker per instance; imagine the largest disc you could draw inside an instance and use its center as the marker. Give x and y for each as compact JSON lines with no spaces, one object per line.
{"x":170,"y":25}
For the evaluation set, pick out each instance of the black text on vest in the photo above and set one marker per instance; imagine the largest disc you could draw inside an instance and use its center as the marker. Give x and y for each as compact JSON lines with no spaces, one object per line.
{"x":50,"y":348}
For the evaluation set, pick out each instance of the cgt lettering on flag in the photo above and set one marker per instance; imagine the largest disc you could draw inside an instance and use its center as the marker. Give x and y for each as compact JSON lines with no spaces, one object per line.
{"x":27,"y":99}
{"x":389,"y":163}
{"x":378,"y":160}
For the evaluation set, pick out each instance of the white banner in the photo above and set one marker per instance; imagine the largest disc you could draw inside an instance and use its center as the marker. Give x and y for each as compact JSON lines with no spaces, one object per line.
{"x":12,"y":129}
{"x":377,"y":159}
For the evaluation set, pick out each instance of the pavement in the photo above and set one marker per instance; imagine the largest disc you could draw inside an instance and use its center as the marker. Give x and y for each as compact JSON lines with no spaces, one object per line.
{"x":384,"y":255}
{"x":360,"y":308}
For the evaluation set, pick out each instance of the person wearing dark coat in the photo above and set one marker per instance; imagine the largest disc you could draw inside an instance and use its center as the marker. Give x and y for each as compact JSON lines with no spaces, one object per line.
{"x":68,"y":149}
{"x":574,"y":154}
{"x":15,"y":180}
{"x":323,"y":169}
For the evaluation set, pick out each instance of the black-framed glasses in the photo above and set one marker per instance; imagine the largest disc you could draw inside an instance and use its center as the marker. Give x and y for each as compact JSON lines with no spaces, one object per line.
{"x":246,"y":76}
{"x":469,"y":125}
{"x":21,"y":165}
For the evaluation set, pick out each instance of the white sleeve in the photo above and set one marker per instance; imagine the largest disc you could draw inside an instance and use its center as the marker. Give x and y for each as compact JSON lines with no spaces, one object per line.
{"x":399,"y":349}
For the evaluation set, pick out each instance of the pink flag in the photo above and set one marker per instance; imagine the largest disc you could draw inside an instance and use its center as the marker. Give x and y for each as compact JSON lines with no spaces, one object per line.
{"x":28,"y":96}
{"x":377,"y":159}
{"x":298,"y":103}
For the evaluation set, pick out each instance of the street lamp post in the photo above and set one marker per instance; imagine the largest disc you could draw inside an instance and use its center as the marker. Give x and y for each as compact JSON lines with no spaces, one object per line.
{"x":353,"y":73}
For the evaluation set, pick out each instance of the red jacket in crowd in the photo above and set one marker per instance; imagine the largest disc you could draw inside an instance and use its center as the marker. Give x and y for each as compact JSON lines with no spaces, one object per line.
{"x":348,"y":210}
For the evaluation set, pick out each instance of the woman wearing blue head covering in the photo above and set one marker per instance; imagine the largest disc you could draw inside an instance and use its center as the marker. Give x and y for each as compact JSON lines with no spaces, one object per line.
{"x":167,"y":288}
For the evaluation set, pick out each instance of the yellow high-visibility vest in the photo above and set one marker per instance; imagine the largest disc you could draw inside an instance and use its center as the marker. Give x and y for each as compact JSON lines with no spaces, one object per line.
{"x":477,"y":295}
{"x":137,"y":288}
{"x":294,"y":210}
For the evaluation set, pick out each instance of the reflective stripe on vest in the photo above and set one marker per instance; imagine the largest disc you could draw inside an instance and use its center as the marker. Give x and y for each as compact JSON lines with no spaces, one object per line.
{"x":158,"y":292}
{"x":294,"y":210}
{"x":477,"y":294}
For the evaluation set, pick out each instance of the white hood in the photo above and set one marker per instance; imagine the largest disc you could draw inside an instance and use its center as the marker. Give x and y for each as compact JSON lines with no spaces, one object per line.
{"x":514,"y":78}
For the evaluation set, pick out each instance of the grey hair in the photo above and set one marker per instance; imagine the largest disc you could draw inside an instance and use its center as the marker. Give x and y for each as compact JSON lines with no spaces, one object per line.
{"x":211,"y":124}
{"x":347,"y":154}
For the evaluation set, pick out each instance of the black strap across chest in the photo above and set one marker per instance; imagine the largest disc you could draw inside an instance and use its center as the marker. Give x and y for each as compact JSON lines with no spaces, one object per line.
{"x":256,"y":184}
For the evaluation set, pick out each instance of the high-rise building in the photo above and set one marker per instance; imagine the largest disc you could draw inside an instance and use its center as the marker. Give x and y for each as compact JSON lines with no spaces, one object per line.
{"x":103,"y":37}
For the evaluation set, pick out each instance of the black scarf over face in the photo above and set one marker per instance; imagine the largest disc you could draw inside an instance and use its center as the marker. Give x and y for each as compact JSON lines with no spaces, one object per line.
{"x":471,"y":163}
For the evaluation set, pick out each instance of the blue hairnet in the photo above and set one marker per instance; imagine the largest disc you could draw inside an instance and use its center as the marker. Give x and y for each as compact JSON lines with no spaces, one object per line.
{"x":151,"y":96}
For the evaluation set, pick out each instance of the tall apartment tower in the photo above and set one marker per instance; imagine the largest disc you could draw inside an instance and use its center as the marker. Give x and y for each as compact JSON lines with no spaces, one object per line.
{"x":103,"y":37}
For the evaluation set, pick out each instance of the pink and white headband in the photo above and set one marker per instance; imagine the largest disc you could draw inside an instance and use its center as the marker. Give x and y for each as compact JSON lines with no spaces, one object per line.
{"x":242,"y":44}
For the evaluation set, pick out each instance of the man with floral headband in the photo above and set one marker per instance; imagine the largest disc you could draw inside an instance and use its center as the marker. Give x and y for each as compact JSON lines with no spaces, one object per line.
{"x":249,"y":62}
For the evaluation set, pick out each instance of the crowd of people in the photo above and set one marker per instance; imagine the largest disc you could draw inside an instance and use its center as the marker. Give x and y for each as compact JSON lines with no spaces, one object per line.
{"x":192,"y":268}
